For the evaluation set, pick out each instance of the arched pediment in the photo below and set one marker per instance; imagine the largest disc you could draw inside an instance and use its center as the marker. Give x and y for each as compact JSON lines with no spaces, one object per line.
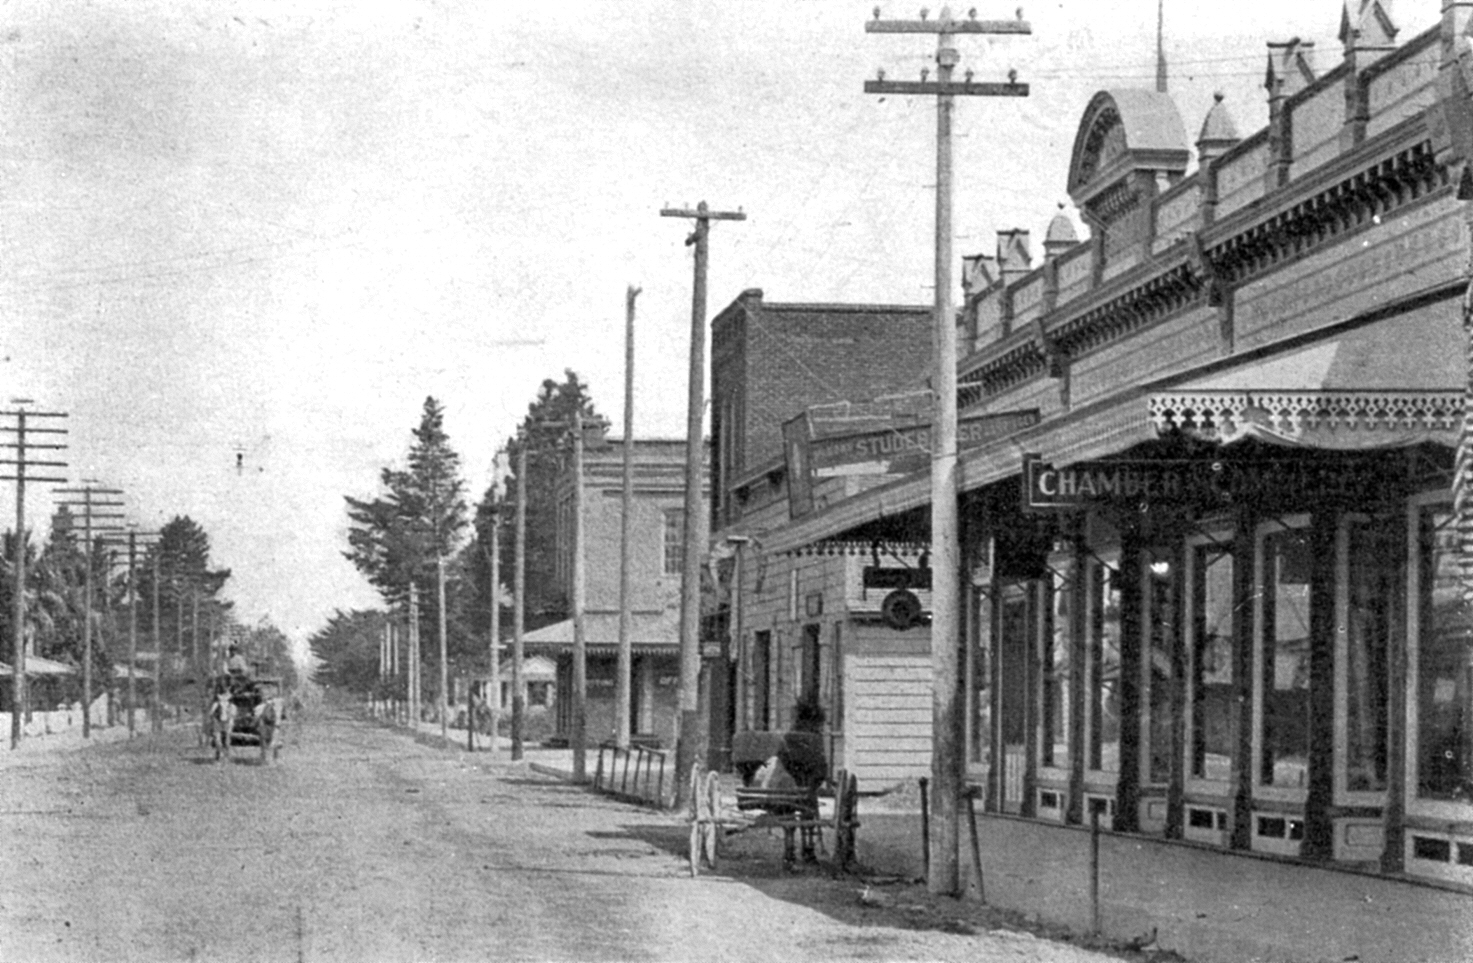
{"x":1125,"y":132}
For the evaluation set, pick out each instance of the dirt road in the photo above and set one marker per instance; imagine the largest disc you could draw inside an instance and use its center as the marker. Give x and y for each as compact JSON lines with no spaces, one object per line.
{"x":362,"y":845}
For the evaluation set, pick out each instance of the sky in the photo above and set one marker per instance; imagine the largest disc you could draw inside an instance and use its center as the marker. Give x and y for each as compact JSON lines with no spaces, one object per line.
{"x":273,"y":229}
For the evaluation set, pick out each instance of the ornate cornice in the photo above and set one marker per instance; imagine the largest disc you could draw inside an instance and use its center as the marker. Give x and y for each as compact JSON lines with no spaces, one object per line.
{"x":1224,"y":414}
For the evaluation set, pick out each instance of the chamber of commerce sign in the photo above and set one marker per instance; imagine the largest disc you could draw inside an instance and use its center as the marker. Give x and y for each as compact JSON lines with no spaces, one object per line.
{"x":1141,"y":482}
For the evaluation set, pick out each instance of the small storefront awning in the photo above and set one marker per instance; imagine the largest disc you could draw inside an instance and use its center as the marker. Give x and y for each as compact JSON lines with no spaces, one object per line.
{"x":36,"y":665}
{"x":648,"y":631}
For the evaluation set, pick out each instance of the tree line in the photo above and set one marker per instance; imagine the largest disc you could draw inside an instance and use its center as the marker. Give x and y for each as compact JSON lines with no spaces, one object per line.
{"x":420,"y":519}
{"x":172,"y":574}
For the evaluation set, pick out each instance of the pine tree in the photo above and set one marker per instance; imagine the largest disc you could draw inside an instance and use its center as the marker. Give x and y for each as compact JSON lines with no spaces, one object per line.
{"x":544,"y":433}
{"x":398,"y":537}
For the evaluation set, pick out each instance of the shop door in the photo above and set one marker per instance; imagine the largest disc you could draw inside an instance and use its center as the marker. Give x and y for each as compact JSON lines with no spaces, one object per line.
{"x":1014,"y":643}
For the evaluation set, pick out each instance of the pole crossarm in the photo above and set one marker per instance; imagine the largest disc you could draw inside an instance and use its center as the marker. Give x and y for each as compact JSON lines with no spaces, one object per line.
{"x":966,"y":88}
{"x":700,"y":213}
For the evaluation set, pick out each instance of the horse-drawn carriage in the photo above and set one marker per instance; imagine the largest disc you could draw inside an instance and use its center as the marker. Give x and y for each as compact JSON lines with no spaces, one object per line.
{"x":244,"y":711}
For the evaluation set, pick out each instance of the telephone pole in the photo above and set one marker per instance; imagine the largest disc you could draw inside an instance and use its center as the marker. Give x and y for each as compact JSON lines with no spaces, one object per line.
{"x":625,"y":665}
{"x":93,"y":498}
{"x":948,"y":767}
{"x":689,"y":732}
{"x":493,"y":703}
{"x":444,"y":701}
{"x":519,"y":602}
{"x":156,"y":720}
{"x":132,"y":543}
{"x":580,"y":603}
{"x":19,"y":464}
{"x":414,"y":665}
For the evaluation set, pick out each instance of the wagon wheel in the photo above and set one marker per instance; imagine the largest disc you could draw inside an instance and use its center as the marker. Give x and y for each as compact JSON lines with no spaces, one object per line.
{"x":695,"y":823}
{"x":713,"y":807}
{"x":846,"y":807}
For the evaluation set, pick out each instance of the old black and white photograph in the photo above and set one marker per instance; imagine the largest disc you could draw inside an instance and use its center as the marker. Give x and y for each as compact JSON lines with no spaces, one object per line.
{"x":736,"y":480}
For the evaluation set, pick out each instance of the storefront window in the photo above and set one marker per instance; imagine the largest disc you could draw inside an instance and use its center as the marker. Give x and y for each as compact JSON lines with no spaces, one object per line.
{"x":1057,"y":671}
{"x":1212,"y":689}
{"x":1160,"y":669}
{"x":1284,"y":659}
{"x":1104,"y":665}
{"x":1444,"y":665}
{"x":1371,"y":550}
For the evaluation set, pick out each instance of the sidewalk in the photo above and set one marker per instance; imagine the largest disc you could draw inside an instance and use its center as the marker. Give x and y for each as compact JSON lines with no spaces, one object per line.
{"x":1201,"y":902}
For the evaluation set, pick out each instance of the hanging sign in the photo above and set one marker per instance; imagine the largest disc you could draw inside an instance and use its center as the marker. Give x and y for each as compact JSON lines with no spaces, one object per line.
{"x":898,"y":450}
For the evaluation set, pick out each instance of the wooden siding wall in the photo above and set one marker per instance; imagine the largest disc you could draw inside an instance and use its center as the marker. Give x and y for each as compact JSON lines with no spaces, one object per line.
{"x":888,"y":729}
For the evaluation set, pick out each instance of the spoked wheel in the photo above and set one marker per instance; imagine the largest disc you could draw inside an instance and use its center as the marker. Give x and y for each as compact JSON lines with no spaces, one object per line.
{"x":846,"y":818}
{"x":713,"y":813}
{"x":695,"y":822}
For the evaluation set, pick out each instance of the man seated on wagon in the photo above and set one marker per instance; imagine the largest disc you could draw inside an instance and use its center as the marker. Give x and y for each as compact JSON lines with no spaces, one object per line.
{"x":237,"y":669}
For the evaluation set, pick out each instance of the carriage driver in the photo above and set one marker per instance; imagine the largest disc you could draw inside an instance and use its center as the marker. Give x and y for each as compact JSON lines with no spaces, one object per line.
{"x":236,"y":666}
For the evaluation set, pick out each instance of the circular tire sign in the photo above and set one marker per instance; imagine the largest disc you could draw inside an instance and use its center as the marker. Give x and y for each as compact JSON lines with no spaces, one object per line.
{"x":901,"y":609}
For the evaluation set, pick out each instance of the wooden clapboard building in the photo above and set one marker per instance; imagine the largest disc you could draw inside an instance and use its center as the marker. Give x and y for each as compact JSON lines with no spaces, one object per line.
{"x":1212,"y":590}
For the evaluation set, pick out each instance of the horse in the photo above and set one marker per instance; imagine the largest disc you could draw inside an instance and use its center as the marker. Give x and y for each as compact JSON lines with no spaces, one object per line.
{"x":221,"y":722}
{"x":270,"y":717}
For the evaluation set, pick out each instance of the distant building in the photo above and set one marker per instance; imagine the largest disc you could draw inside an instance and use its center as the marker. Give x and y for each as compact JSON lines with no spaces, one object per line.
{"x":657,"y":533}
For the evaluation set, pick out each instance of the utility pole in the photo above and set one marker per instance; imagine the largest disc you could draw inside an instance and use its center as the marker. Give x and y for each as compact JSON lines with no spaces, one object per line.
{"x":493,"y":704}
{"x":580,"y":602}
{"x":416,"y":660}
{"x":626,"y":548}
{"x":444,"y":700}
{"x":687,"y":749}
{"x":948,"y":767}
{"x":132,"y":543}
{"x":89,"y":505}
{"x":519,"y":603}
{"x":115,"y":539}
{"x":20,"y":463}
{"x":156,"y":723}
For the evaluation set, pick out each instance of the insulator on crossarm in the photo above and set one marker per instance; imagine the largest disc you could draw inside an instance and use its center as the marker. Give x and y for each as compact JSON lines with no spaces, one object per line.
{"x":880,"y":74}
{"x":925,"y":12}
{"x":877,"y":13}
{"x":968,"y":75}
{"x":925,"y":72}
